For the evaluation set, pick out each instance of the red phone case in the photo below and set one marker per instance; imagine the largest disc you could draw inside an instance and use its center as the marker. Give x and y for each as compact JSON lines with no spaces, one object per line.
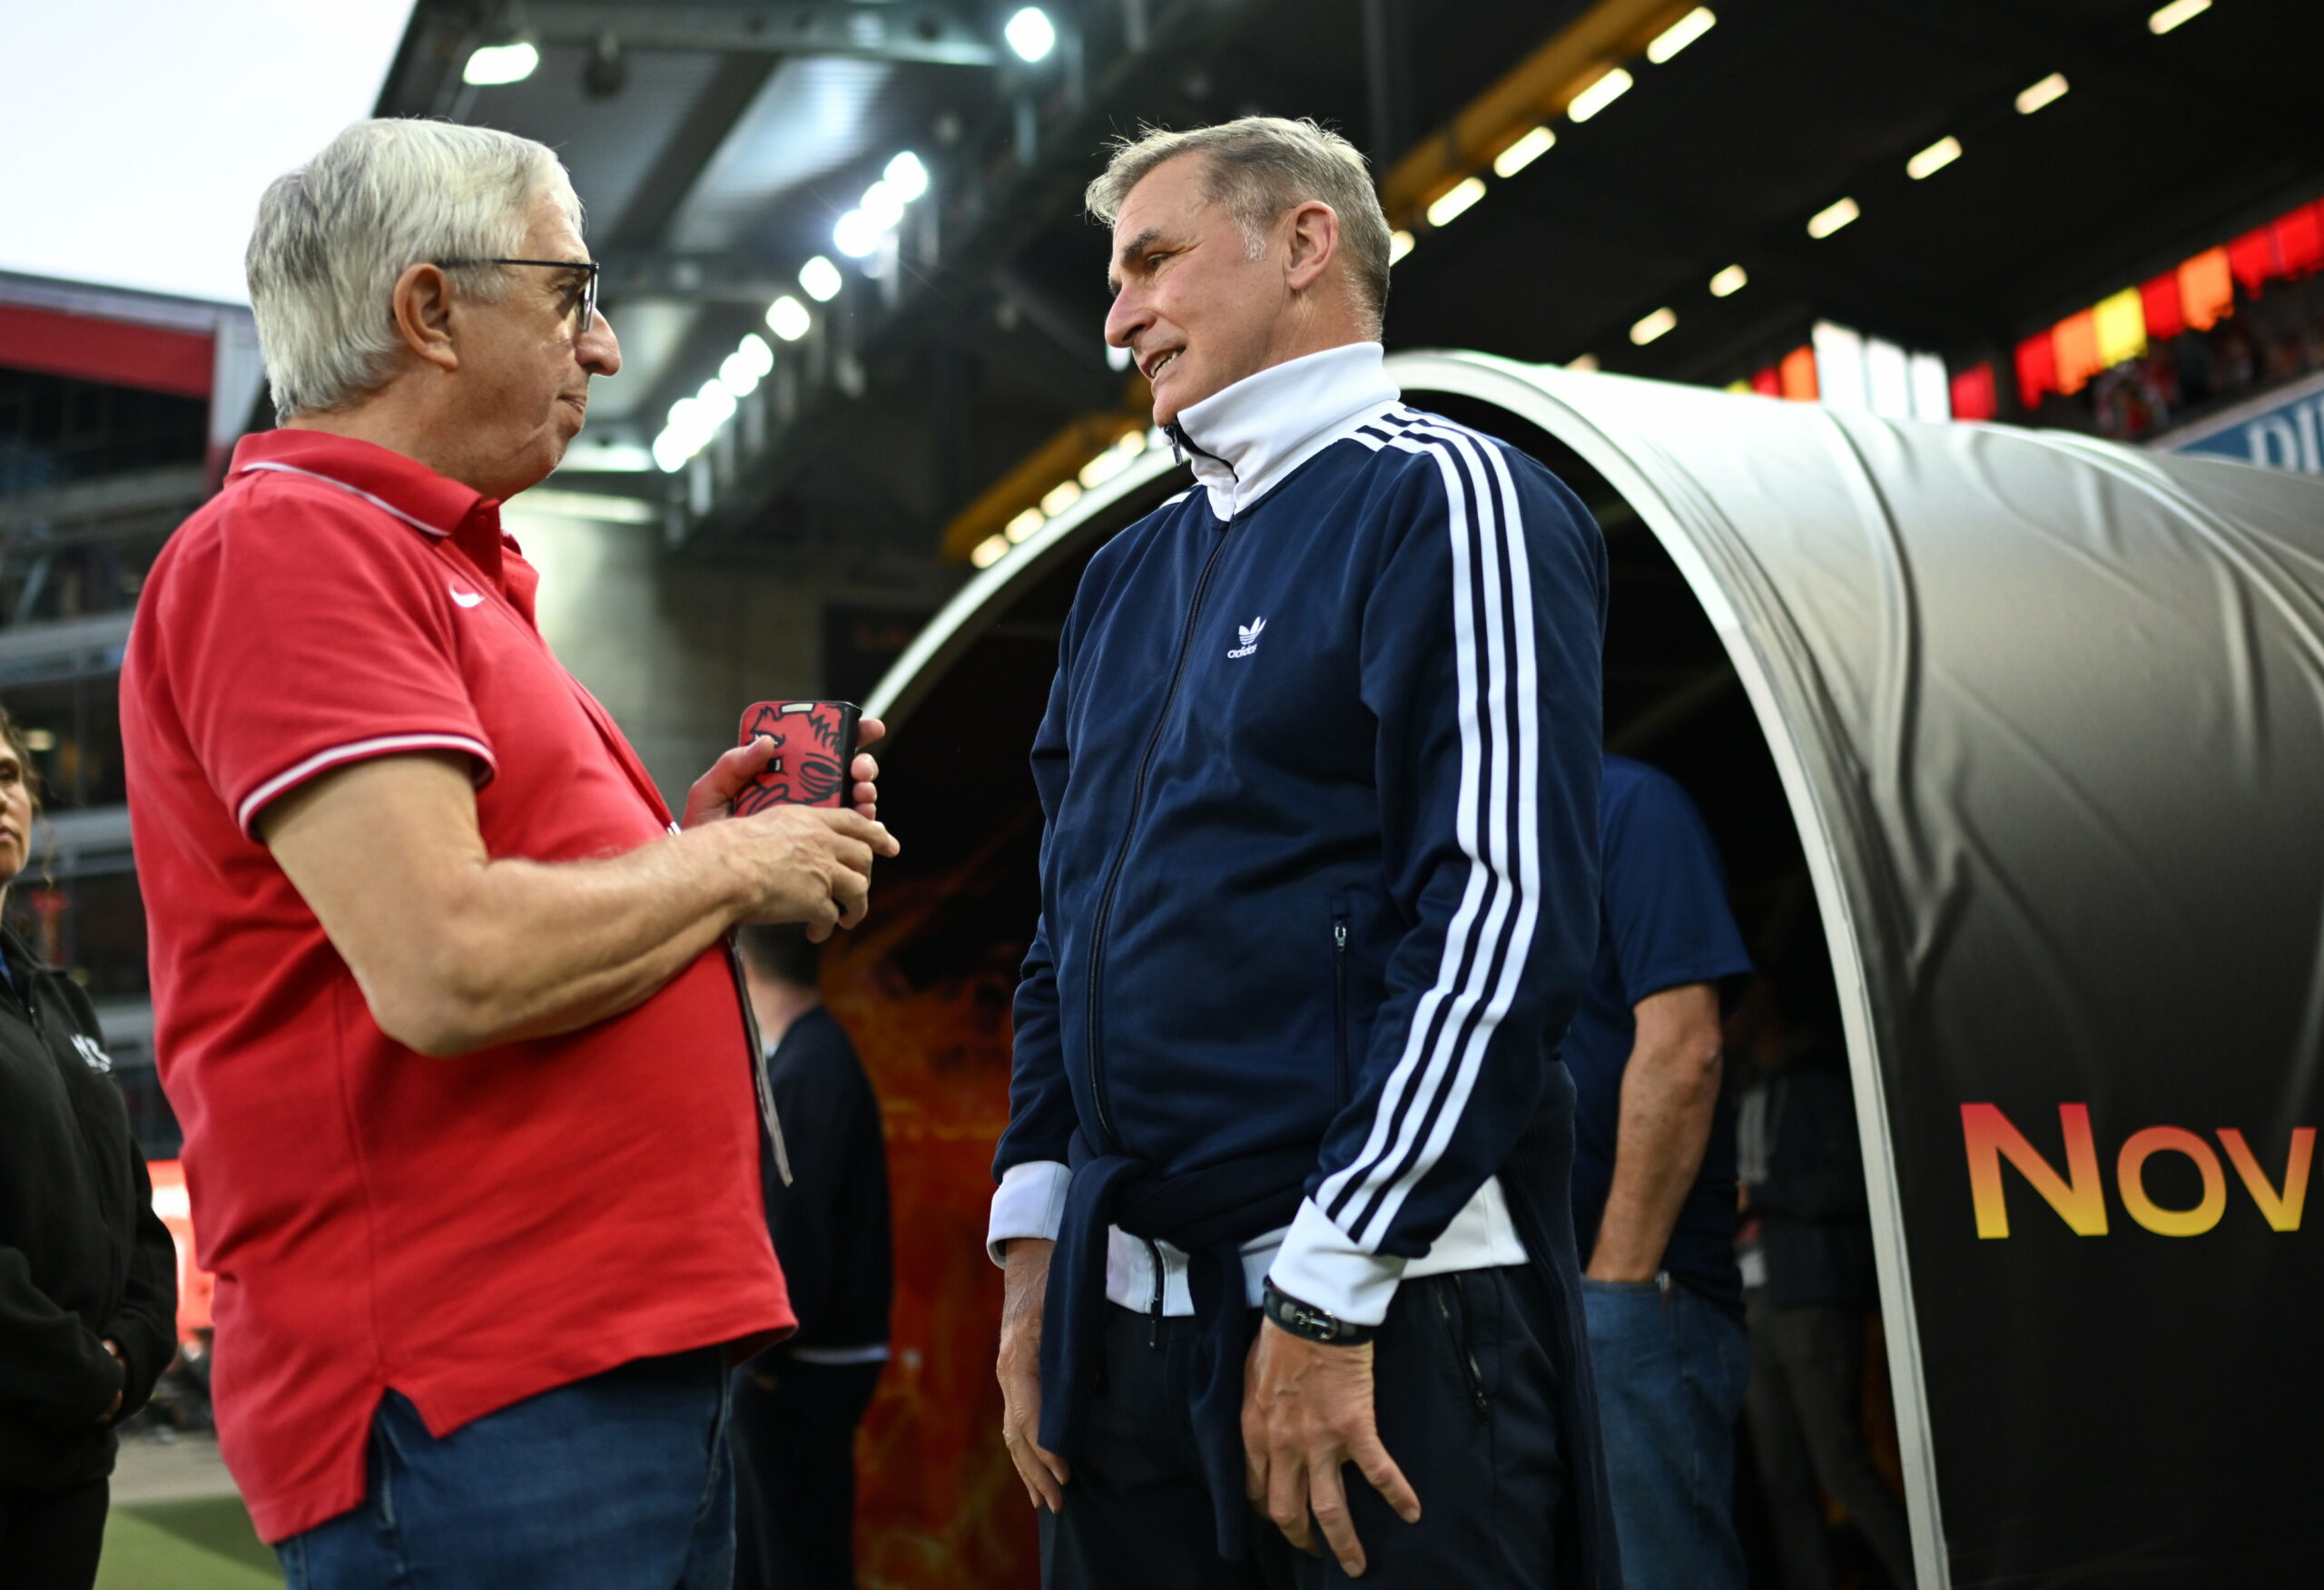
{"x":815,"y":745}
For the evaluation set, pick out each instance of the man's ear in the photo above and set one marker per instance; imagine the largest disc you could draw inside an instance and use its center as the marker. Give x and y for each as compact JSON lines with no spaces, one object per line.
{"x":422,"y":305}
{"x":1314,"y":237}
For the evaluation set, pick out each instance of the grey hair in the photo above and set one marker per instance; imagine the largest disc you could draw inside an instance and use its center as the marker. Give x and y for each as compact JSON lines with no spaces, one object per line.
{"x":1258,"y":167}
{"x":333,"y":236}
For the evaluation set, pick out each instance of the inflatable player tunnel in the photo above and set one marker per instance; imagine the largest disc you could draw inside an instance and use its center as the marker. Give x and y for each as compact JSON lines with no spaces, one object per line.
{"x":2015,"y":739}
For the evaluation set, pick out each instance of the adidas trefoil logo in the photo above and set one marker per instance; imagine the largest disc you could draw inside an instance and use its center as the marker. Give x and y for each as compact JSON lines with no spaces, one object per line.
{"x":1250,"y":634}
{"x":88,"y":1050}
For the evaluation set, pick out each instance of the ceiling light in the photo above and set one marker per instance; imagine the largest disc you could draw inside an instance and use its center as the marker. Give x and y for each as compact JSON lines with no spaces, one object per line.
{"x":1451,"y":204}
{"x":990,"y":551}
{"x":1131,"y":445}
{"x":1400,"y":243}
{"x":1933,"y":159}
{"x":1831,"y":217}
{"x":1061,"y":497}
{"x":907,"y":176}
{"x":2172,"y":15}
{"x":1730,"y":281}
{"x":738,"y":375}
{"x":1586,"y":365}
{"x":40,"y":739}
{"x":1103,"y":468}
{"x":2052,"y":87}
{"x":717,"y":403}
{"x":1524,"y":152}
{"x":855,"y":235}
{"x":753,"y":348}
{"x":1030,"y":33}
{"x":788,"y":318}
{"x":492,"y":65}
{"x":1680,"y":33}
{"x":1654,"y":325}
{"x":884,"y":207}
{"x":1024,"y":525}
{"x":819,"y":279}
{"x":1599,"y":94}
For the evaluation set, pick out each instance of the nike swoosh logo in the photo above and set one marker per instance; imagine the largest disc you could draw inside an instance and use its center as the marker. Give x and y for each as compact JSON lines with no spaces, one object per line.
{"x":464,"y":598}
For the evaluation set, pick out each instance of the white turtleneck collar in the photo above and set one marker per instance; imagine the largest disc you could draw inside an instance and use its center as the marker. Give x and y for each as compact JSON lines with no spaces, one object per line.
{"x":1246,"y":438}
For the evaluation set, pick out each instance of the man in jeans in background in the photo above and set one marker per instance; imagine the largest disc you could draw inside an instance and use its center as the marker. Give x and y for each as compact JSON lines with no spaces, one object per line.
{"x":1654,"y":1186}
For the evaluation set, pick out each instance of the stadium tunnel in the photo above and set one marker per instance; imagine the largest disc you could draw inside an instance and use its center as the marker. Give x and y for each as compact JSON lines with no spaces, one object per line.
{"x":2015,"y":734}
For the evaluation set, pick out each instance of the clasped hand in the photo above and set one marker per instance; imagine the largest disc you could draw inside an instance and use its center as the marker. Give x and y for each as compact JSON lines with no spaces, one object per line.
{"x":810,"y":864}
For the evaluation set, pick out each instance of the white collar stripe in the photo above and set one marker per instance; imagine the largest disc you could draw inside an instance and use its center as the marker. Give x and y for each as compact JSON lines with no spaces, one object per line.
{"x":383,"y":506}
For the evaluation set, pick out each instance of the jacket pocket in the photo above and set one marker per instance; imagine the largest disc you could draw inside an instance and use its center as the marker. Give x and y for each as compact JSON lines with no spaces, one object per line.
{"x":1339,"y":998}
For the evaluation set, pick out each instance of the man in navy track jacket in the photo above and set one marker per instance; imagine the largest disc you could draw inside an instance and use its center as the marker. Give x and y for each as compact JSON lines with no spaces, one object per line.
{"x":1319,"y":895}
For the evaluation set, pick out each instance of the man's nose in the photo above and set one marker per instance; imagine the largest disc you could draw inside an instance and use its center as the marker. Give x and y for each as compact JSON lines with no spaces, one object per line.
{"x":599,"y":350}
{"x":1124,"y":321}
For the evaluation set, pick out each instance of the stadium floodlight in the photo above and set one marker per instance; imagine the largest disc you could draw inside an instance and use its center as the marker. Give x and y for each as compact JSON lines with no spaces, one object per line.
{"x":1524,"y":152}
{"x":1599,"y":94}
{"x":1453,"y":202}
{"x":1933,"y":159}
{"x":1680,"y":33}
{"x":1658,"y":324}
{"x":1030,"y":33}
{"x":490,"y":65}
{"x":1024,"y":525}
{"x":2049,"y":88}
{"x":2177,"y":12}
{"x":819,"y":279}
{"x":990,"y":551}
{"x":1400,"y":243}
{"x":855,"y":235}
{"x":1832,"y":217}
{"x":1728,"y":281}
{"x":788,"y":318}
{"x":906,"y":176}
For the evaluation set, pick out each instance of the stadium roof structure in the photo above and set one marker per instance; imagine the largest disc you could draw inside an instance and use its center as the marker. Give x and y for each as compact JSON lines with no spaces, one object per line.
{"x":1707,"y":182}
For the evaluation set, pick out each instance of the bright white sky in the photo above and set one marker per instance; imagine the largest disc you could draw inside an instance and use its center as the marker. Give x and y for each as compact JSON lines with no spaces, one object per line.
{"x":136,"y":135}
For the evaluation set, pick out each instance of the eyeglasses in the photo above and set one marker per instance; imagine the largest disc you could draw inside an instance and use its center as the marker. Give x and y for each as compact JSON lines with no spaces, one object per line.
{"x":585,"y":312}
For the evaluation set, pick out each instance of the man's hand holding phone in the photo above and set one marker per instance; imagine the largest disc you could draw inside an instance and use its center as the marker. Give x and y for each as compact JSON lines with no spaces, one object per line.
{"x":795,"y":862}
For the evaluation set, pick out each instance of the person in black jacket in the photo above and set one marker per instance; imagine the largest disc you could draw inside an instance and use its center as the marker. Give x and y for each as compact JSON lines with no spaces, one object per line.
{"x":798,"y":1404}
{"x":1805,"y":1296}
{"x":88,"y":1275}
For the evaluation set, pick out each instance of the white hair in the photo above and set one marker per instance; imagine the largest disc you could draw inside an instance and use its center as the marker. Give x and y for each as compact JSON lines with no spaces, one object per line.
{"x":1259,"y":167}
{"x":333,"y":236}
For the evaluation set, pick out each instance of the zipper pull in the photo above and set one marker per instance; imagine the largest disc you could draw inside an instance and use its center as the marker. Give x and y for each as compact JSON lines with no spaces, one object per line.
{"x":1339,"y":934}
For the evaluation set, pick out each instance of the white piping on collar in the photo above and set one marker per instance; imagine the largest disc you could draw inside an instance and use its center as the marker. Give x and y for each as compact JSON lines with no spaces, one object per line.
{"x":384,"y":506}
{"x":1266,"y":425}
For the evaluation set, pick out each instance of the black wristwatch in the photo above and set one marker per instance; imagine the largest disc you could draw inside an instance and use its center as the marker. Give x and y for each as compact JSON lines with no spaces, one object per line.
{"x":1306,"y":1320}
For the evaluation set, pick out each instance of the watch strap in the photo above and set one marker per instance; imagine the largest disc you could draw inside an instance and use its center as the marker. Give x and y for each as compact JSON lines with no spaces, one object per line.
{"x":1310,"y":1322}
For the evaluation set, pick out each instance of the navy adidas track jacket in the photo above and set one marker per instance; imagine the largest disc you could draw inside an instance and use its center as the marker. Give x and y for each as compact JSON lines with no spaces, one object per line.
{"x":1320,"y":775}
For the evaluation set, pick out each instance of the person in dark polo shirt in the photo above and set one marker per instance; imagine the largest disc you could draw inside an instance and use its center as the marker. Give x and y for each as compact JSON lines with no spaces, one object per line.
{"x":1654,"y":1186}
{"x":443,"y":996}
{"x":798,"y":1404}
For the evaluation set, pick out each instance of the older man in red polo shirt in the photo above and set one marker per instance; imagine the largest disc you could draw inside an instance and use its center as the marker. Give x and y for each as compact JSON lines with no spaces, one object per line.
{"x":443,"y":996}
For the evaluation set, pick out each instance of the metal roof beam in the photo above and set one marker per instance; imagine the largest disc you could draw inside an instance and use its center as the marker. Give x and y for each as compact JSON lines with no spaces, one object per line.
{"x":910,"y":30}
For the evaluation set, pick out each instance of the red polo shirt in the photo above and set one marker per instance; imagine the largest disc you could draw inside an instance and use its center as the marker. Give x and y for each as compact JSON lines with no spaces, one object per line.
{"x":468,"y":1232}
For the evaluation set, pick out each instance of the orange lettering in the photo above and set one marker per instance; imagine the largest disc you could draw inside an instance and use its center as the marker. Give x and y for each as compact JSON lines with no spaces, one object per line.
{"x":1990,"y":1138}
{"x":2281,"y":1210}
{"x":2129,"y":1181}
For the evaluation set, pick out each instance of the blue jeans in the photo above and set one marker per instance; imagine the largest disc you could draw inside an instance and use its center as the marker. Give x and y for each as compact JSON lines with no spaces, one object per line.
{"x":618,"y":1482}
{"x":1670,"y":1370}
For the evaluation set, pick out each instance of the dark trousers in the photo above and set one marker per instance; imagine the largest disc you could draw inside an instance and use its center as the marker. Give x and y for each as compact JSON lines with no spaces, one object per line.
{"x":1465,"y":1402}
{"x":50,"y":1540}
{"x":1806,"y":1404}
{"x":795,"y":1473}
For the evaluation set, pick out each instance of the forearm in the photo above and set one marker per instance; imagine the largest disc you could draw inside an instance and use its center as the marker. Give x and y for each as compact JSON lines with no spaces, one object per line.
{"x":531,"y":949}
{"x":1669,"y":1098}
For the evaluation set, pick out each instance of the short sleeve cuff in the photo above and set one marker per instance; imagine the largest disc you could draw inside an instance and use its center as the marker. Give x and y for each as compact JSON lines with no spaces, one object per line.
{"x":246,"y":812}
{"x":1028,"y":1203}
{"x":1321,"y":1266}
